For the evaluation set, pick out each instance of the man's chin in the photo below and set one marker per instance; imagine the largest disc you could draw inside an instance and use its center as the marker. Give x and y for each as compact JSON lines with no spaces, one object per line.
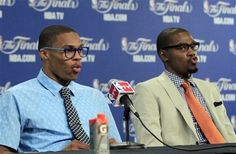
{"x":73,"y":77}
{"x":193,"y":70}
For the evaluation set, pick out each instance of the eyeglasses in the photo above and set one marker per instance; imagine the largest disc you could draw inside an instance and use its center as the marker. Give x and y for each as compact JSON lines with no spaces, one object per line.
{"x":184,"y":46}
{"x":70,"y":51}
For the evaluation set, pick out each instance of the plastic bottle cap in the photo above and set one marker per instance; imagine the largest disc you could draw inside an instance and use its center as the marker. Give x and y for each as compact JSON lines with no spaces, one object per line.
{"x":102,"y":118}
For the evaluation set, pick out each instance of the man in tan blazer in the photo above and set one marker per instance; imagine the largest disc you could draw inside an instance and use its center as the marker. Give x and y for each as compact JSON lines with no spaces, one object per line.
{"x":161,"y":102}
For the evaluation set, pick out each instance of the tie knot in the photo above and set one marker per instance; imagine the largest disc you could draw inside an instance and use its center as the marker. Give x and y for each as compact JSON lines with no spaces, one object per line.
{"x":185,"y":85}
{"x":64,"y":91}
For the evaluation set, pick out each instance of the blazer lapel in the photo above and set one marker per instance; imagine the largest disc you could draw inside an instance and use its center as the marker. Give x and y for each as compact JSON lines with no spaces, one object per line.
{"x":177,"y":100}
{"x":204,"y":91}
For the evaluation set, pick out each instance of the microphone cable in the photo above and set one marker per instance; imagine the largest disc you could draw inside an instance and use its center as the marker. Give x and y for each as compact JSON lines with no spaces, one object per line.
{"x":178,"y":148}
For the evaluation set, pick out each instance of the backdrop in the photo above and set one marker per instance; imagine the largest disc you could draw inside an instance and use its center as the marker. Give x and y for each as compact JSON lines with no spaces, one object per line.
{"x":121,"y":35}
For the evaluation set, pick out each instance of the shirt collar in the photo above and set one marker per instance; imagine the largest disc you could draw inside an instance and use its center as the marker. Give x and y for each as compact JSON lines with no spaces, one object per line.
{"x":51,"y":85}
{"x":178,"y":81}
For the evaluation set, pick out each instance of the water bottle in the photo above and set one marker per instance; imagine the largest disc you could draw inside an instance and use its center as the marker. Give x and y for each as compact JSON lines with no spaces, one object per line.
{"x":99,"y":143}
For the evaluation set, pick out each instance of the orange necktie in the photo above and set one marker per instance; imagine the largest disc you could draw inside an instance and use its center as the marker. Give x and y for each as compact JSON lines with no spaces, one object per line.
{"x":203,"y":119}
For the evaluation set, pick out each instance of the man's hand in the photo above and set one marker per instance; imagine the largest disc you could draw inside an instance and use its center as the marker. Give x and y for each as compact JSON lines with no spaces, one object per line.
{"x":76,"y":145}
{"x":112,"y":141}
{"x":6,"y":150}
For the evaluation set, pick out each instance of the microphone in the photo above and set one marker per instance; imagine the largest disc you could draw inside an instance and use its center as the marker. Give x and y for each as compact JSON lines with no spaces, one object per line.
{"x":119,"y":92}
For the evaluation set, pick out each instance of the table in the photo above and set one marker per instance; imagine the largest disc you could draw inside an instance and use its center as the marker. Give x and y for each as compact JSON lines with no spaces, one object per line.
{"x":229,"y":148}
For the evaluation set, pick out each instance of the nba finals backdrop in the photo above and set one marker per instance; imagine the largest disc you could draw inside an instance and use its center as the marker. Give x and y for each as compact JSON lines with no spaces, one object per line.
{"x":121,"y":35}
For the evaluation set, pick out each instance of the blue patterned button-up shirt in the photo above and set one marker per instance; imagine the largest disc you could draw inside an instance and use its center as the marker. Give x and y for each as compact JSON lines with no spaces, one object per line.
{"x":33,"y":118}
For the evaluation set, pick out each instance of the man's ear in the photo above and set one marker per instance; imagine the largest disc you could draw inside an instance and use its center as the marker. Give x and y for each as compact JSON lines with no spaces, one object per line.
{"x":163,"y":55}
{"x":43,"y":54}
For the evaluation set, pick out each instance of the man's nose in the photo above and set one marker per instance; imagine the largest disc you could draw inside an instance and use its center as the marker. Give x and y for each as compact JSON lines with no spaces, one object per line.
{"x":77,"y":56}
{"x":192,"y":52}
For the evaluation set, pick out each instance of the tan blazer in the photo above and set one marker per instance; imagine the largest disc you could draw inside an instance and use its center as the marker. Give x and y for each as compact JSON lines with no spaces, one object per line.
{"x":165,"y":112}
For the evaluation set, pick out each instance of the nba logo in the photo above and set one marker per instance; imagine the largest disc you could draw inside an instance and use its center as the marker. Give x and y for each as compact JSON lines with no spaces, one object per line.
{"x":113,"y":93}
{"x":125,"y":87}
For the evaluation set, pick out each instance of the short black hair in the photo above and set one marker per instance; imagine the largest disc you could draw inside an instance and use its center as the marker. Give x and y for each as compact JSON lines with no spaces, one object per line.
{"x":48,"y":35}
{"x":164,"y":38}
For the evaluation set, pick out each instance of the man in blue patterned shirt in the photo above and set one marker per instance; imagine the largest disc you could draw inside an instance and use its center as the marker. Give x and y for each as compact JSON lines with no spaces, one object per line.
{"x":161,"y":101}
{"x":32,"y":113}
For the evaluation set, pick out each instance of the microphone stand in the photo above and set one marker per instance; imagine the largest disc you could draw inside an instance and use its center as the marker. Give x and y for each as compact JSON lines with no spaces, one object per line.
{"x":127,"y":144}
{"x":126,"y":118}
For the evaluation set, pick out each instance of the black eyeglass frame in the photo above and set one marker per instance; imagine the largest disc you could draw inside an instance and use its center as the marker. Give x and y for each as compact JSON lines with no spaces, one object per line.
{"x":80,"y":50}
{"x":194,"y":46}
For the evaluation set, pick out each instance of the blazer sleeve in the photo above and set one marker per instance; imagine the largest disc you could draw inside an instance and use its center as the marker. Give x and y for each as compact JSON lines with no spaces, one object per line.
{"x":224,"y":123}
